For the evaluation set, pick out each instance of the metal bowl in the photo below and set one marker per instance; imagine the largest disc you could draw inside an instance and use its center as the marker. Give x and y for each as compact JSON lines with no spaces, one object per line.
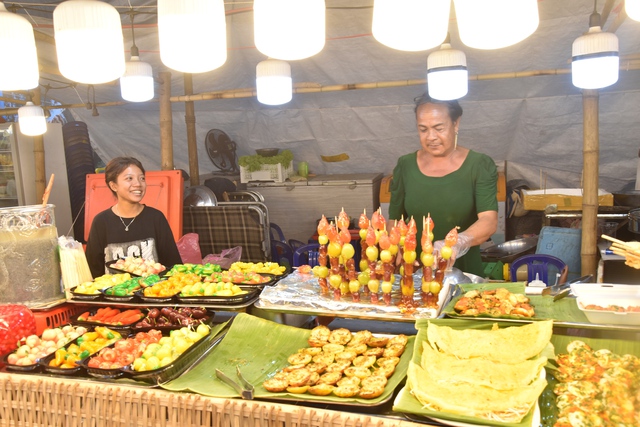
{"x":511,"y":250}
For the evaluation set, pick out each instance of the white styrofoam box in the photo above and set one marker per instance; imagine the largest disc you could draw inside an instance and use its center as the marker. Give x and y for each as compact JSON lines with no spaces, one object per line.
{"x":605,"y":290}
{"x":608,"y":316}
{"x":297,"y":206}
{"x":274,"y":173}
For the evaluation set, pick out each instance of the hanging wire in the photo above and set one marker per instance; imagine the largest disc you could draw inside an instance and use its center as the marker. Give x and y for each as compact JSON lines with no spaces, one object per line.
{"x":134,"y":48}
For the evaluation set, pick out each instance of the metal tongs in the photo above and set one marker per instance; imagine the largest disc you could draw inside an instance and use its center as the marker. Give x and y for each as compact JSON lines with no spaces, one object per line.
{"x":559,"y":291}
{"x":244,"y":389}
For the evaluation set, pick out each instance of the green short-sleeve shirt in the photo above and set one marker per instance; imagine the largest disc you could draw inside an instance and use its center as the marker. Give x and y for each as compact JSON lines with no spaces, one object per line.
{"x":452,"y":200}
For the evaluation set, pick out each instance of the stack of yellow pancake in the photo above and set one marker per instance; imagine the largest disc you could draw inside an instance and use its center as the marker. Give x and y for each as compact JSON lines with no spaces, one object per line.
{"x":490,"y":374}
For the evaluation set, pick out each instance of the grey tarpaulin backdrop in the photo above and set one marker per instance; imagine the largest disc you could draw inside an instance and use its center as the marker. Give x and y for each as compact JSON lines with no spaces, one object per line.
{"x":534,"y":123}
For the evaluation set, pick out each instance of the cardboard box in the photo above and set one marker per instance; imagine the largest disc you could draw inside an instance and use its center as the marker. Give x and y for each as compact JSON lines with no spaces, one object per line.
{"x":567,"y":199}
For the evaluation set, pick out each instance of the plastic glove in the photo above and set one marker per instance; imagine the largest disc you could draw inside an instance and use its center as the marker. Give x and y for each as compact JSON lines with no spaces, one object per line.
{"x":459,"y":249}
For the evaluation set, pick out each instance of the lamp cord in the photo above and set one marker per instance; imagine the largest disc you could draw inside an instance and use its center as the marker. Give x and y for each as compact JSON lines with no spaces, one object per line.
{"x":134,"y":48}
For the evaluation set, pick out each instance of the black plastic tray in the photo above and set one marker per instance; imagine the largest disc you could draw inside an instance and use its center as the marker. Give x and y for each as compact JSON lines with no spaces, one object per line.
{"x":206,"y":320}
{"x":156,"y":300}
{"x":20,"y":368}
{"x":85,"y":297}
{"x":252,"y":291}
{"x":44,"y":362}
{"x":122,"y":329}
{"x":181,"y":364}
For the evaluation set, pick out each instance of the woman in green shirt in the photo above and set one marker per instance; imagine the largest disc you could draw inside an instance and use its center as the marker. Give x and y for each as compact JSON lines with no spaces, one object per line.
{"x":457,"y":186}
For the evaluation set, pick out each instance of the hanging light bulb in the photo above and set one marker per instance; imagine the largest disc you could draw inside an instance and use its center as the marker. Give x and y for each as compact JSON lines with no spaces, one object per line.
{"x":410,"y":25}
{"x":447,"y":74}
{"x":89,"y":41}
{"x":136,"y":84}
{"x":494,"y":24}
{"x":193,"y":34}
{"x":16,"y":33}
{"x":273,"y":82}
{"x":31,"y":119}
{"x":632,"y":8}
{"x":595,"y":61}
{"x":289,"y":29}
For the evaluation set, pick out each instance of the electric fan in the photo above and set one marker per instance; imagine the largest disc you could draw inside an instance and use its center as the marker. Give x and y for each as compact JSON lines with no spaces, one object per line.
{"x":222,"y":151}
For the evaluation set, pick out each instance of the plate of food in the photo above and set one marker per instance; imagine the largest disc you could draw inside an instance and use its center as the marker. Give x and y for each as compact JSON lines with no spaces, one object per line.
{"x":284,"y":368}
{"x":474,"y":372}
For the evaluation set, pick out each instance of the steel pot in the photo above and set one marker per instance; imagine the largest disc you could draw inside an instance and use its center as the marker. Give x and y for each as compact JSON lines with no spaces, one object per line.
{"x":634,"y":220}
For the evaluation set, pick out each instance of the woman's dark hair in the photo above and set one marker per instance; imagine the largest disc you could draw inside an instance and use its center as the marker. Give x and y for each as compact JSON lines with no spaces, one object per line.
{"x":455,"y":110}
{"x":116,"y":166}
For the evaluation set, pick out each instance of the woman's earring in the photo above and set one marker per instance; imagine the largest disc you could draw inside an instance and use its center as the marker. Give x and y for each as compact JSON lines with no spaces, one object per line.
{"x":455,"y":142}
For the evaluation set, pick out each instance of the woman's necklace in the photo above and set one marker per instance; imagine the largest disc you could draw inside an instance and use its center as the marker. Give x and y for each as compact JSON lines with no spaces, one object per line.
{"x":126,"y":227}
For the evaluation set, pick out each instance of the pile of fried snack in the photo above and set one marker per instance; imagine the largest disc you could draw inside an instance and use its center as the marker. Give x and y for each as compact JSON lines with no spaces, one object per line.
{"x":341,"y":363}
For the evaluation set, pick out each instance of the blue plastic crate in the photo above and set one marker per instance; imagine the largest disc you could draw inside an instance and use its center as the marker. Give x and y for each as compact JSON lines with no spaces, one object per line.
{"x":563,"y":243}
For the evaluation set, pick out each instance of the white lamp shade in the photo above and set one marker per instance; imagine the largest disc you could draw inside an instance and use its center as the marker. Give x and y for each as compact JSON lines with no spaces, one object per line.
{"x":289,"y":29}
{"x":494,"y":24}
{"x":193,"y":34}
{"x":31,"y":119}
{"x":273,"y":82}
{"x":595,"y":62}
{"x":632,"y":7}
{"x":410,"y":25}
{"x":89,"y":41}
{"x":136,"y":84}
{"x":447,"y":74}
{"x":16,"y":33}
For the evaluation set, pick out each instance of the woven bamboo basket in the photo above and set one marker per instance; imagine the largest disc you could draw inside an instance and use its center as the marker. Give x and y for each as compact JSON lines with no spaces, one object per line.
{"x":32,"y":400}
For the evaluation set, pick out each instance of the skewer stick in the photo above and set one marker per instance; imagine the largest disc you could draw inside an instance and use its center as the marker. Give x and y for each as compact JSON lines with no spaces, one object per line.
{"x":47,"y":191}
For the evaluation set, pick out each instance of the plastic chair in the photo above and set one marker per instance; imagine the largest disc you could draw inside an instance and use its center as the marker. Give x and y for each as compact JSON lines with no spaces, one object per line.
{"x":276,"y":232}
{"x":295,"y":244}
{"x":538,"y":266}
{"x":308,"y":253}
{"x":281,"y":252}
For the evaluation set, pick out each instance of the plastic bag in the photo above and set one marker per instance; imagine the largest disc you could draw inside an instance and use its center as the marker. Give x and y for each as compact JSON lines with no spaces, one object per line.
{"x":189,"y":248}
{"x":225,"y":258}
{"x":73,"y":264}
{"x":16,"y":322}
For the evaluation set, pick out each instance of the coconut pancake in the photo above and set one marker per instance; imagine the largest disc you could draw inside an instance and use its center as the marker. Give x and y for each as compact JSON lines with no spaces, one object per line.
{"x":501,"y":376}
{"x":510,"y":345}
{"x":472,"y":399}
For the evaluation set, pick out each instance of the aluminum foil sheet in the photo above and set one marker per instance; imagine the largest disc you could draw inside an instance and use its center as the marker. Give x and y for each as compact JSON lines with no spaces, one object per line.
{"x":300,"y":293}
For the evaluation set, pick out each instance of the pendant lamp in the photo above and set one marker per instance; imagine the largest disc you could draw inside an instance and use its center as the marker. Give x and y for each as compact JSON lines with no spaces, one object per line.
{"x":89,"y":41}
{"x":273,"y":82}
{"x":632,"y":8}
{"x":31,"y":119}
{"x":595,"y":61}
{"x":193,"y":34}
{"x":447,"y":74}
{"x":16,"y":33}
{"x":410,"y":25}
{"x":136,"y":84}
{"x":494,"y":24}
{"x":289,"y":29}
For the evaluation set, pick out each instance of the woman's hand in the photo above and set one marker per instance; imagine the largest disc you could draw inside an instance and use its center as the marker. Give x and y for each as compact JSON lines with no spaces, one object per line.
{"x":463,"y":243}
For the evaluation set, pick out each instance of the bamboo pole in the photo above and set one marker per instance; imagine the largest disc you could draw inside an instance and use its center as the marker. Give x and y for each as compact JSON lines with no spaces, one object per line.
{"x":38,"y":154}
{"x":166,"y":123}
{"x":192,"y":142}
{"x":590,"y":153}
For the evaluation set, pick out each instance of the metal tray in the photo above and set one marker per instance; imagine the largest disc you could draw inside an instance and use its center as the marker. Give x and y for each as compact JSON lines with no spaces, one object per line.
{"x":511,"y":250}
{"x":252,"y":292}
